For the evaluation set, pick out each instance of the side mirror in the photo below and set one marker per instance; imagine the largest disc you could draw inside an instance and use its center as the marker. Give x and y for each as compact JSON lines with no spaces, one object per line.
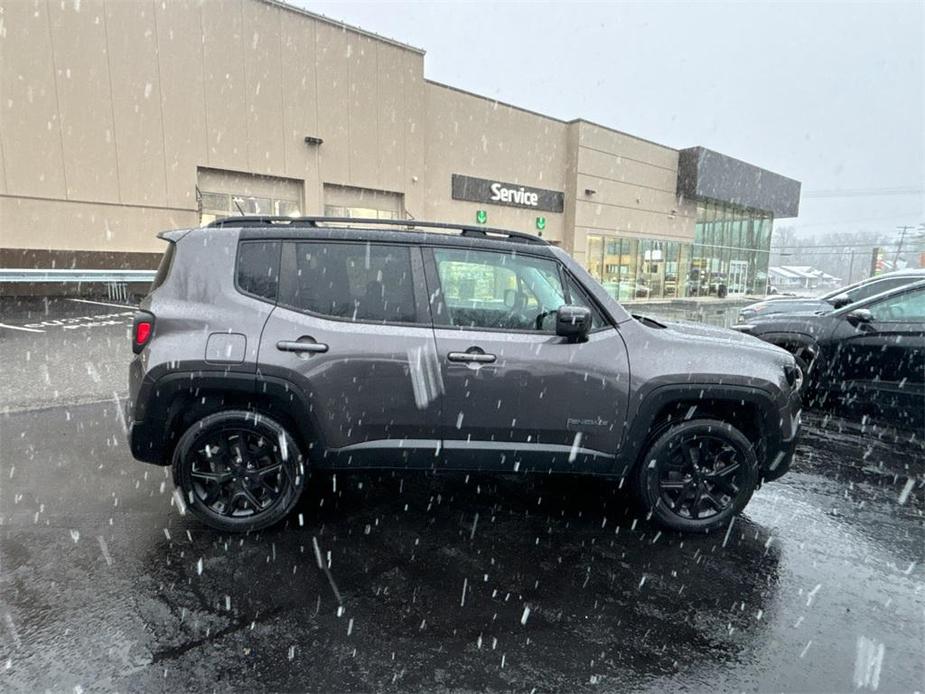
{"x":573,"y":322}
{"x":860,"y":316}
{"x":840,"y":300}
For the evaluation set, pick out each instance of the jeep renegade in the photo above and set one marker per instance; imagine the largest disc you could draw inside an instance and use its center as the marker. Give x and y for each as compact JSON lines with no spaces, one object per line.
{"x":271,"y":347}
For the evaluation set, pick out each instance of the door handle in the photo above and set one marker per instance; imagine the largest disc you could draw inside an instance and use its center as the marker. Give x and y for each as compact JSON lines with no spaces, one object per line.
{"x":301,"y":346}
{"x":471,"y":357}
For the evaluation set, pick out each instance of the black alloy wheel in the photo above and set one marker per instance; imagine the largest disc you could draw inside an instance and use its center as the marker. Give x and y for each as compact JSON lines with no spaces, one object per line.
{"x":701,"y":478}
{"x":697,"y":474}
{"x":239,"y":471}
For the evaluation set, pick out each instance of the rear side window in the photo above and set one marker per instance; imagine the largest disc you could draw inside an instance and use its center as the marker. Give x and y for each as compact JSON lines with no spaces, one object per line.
{"x":352,"y":281}
{"x":163,"y":269}
{"x":258,"y":268}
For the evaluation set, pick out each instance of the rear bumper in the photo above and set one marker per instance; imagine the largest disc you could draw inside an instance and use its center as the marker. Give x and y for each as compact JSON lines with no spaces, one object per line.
{"x":147,"y":443}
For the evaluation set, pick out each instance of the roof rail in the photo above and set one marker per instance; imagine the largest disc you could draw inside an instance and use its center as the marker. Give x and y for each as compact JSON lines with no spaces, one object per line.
{"x":407,"y":224}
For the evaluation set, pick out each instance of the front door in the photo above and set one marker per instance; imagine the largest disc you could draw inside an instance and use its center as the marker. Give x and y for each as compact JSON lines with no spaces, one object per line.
{"x":738,"y":276}
{"x":883,"y":361}
{"x":516,"y":396}
{"x":352,"y":331}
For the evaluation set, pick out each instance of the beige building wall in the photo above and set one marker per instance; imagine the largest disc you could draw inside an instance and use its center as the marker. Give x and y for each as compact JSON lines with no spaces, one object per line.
{"x":625,"y":186}
{"x":113,"y":111}
{"x":109,"y":108}
{"x":475,"y":136}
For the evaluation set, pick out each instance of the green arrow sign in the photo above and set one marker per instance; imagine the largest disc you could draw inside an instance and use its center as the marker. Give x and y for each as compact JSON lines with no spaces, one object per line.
{"x":481,"y":216}
{"x":540,"y":223}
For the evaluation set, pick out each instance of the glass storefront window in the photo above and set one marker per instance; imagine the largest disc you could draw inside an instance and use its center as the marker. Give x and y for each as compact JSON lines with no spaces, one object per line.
{"x":359,"y":212}
{"x":729,"y":256}
{"x":213,"y":206}
{"x":595,"y":258}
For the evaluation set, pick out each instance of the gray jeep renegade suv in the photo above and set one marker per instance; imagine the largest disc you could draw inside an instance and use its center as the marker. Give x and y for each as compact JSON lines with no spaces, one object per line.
{"x":271,"y":347}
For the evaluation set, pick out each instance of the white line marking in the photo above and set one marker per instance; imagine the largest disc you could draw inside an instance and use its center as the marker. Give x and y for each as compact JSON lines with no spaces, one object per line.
{"x":16,"y":327}
{"x":102,"y":303}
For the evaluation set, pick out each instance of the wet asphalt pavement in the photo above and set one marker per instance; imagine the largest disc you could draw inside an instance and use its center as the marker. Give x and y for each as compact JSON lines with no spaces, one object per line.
{"x":437,"y":583}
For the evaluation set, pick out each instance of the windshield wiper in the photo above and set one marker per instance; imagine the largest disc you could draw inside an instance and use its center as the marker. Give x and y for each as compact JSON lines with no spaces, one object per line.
{"x":648,"y":321}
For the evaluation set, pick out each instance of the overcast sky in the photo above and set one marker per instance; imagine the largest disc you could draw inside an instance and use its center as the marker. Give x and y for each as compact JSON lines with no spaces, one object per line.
{"x":830,"y":94}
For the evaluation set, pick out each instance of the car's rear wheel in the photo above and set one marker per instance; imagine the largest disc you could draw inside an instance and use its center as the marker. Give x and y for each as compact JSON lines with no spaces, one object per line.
{"x":239,"y":471}
{"x":696,"y":475}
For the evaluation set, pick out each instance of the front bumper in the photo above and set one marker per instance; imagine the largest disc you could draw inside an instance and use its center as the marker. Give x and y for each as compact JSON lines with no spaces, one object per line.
{"x":781,"y":460}
{"x":780,"y":457}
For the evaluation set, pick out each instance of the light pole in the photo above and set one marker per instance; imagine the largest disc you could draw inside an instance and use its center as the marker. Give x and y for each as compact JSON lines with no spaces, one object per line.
{"x":902,"y":237}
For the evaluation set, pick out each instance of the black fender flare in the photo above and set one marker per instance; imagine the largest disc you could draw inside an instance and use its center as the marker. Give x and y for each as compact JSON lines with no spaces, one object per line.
{"x":642,"y":426}
{"x":163,"y":397}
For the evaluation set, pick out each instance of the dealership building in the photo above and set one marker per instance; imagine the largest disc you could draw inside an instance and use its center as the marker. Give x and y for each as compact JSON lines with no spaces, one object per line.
{"x":122,"y":119}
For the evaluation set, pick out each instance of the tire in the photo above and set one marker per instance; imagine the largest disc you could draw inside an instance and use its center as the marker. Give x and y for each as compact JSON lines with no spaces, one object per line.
{"x":687,"y":481}
{"x":238,"y":471}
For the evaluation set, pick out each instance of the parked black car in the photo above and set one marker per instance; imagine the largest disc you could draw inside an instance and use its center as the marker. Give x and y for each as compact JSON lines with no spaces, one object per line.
{"x":271,"y":347}
{"x":834,"y":299}
{"x":869,"y":354}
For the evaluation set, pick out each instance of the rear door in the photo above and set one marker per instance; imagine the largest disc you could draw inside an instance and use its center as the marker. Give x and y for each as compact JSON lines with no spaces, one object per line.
{"x":516,"y":395}
{"x":352,"y":331}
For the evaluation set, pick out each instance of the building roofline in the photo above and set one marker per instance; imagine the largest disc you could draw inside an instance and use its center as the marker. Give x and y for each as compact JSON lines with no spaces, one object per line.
{"x":573,"y":121}
{"x":622,"y":132}
{"x":495,"y":101}
{"x":342,"y":25}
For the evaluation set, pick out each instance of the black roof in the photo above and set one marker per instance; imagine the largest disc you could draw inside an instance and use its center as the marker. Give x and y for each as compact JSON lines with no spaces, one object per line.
{"x":399,"y":228}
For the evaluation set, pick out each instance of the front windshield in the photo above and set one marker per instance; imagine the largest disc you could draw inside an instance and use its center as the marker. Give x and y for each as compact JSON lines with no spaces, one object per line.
{"x":843,"y":290}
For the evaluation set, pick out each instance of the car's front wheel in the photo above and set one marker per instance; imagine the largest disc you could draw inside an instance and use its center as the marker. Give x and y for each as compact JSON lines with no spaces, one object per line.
{"x":696,"y":475}
{"x":238,"y":471}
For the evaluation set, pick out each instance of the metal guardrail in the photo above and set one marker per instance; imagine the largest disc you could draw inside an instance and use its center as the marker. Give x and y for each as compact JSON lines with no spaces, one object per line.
{"x":21,"y":275}
{"x":116,"y":281}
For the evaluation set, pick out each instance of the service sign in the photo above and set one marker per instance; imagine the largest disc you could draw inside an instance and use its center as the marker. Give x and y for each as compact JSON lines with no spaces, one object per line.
{"x":494,"y":192}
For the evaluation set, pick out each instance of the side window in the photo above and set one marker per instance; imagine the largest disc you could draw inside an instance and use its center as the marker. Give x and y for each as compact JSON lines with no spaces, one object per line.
{"x":577,"y":297}
{"x":908,"y":307}
{"x":258,"y":268}
{"x":485,"y":289}
{"x":866,"y":291}
{"x":352,"y":281}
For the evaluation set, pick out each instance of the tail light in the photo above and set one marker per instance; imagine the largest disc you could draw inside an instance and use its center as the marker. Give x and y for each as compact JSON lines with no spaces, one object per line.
{"x":142,"y":330}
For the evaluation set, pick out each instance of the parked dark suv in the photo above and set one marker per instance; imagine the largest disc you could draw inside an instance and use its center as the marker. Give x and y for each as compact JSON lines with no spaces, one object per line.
{"x":271,"y":347}
{"x":868,"y":355}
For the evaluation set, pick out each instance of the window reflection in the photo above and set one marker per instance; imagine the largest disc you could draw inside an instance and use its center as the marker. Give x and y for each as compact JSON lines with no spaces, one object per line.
{"x":728,"y":256}
{"x":213,"y":205}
